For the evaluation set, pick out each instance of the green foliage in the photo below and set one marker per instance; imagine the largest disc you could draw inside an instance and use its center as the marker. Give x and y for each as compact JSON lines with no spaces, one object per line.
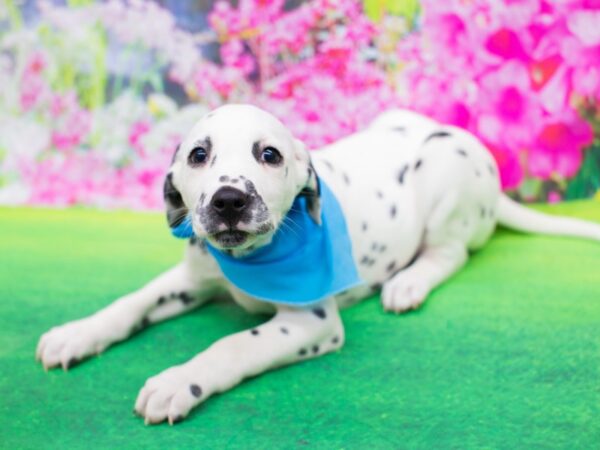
{"x":376,"y":9}
{"x":587,"y":181}
{"x":78,"y":65}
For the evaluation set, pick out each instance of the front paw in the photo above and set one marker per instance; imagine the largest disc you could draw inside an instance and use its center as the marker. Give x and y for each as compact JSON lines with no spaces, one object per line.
{"x":404,"y":292}
{"x":67,"y":344}
{"x":170,"y":395}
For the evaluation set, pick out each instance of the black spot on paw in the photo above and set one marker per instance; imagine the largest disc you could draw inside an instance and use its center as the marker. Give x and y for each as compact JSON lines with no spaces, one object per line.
{"x":375,"y":287}
{"x":254,"y":332}
{"x":178,"y":419}
{"x":402,"y":173}
{"x":284,"y":330}
{"x":161,"y":300}
{"x":223,"y":178}
{"x":461,"y":152}
{"x":302,"y":352}
{"x":145,"y":322}
{"x":315,"y":349}
{"x":364,"y":260}
{"x":186,"y":298}
{"x":234,"y":180}
{"x":195,"y":390}
{"x":319,"y":312}
{"x":418,"y":164}
{"x":335,"y":340}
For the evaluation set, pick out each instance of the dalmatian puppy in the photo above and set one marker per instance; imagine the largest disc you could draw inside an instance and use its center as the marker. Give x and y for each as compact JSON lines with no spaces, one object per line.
{"x":415,"y":197}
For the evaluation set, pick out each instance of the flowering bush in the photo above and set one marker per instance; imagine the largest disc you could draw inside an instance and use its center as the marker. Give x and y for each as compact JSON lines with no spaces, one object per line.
{"x":88,"y":86}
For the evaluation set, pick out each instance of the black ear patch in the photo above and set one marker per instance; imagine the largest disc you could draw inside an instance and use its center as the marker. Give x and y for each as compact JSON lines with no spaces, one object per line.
{"x":176,"y":209}
{"x":312,"y":192}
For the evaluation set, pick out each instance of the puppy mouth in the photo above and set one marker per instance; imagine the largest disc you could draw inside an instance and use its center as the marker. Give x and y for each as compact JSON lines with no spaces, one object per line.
{"x":230,"y":238}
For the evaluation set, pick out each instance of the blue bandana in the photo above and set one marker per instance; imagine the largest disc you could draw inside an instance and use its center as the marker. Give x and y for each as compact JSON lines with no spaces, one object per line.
{"x":303,"y":264}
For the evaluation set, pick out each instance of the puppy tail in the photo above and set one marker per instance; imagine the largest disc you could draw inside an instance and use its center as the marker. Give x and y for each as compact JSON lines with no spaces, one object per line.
{"x":513,"y":215}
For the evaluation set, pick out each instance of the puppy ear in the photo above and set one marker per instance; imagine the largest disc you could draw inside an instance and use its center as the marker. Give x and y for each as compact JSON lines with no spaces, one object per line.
{"x":312,"y":192}
{"x":310,"y":189}
{"x":177,"y":213}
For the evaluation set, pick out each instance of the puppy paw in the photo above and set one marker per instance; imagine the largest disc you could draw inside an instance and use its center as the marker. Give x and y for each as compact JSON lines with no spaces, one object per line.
{"x":68,"y":344}
{"x":170,"y":395}
{"x":404,"y":292}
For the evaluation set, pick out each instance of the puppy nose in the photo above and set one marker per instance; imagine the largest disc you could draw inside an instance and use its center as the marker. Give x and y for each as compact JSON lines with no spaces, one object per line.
{"x":229,"y":204}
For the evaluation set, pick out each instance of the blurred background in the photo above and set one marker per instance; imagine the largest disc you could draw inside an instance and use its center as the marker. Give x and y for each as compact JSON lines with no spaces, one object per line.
{"x":96,"y":95}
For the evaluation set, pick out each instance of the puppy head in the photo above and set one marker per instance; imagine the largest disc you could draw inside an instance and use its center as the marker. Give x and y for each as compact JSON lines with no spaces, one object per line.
{"x":236,"y":175}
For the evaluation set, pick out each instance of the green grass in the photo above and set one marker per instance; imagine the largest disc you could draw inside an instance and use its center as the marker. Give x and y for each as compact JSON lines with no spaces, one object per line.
{"x":505,"y":355}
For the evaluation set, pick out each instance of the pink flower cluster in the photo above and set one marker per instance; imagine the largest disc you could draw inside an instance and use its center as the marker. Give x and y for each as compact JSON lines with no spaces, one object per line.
{"x":308,"y":66}
{"x":516,"y":73}
{"x":512,"y":72}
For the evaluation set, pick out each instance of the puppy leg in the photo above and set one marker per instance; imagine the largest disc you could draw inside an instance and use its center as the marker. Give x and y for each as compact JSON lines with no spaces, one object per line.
{"x":173,"y":292}
{"x":408,"y":288}
{"x":292,"y":335}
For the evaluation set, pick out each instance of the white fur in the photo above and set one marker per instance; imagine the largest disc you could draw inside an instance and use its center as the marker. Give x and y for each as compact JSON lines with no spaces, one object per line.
{"x":443,"y":208}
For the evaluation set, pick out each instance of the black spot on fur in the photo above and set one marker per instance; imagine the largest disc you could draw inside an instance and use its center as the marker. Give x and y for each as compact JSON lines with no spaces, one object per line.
{"x":390,"y":267}
{"x":365,"y":226}
{"x":186,"y":298}
{"x":482,"y":211}
{"x":234,"y":180}
{"x":399,"y":129}
{"x":491,"y":169}
{"x":346,"y":178}
{"x":254,"y":332}
{"x":477,"y":173}
{"x":393,"y":211}
{"x":195,"y":390}
{"x":315,"y":349}
{"x":436,"y":135}
{"x":284,"y":330}
{"x":335,"y":340}
{"x":402,"y":173}
{"x":375,"y":287}
{"x":328,"y":164}
{"x":223,"y":178}
{"x":365,"y":260}
{"x":320,"y":313}
{"x":145,"y":322}
{"x":461,"y":152}
{"x":161,"y":300}
{"x":382,"y":248}
{"x":212,"y":163}
{"x":418,"y":164}
{"x":302,"y":352}
{"x":379,"y":194}
{"x":178,"y":419}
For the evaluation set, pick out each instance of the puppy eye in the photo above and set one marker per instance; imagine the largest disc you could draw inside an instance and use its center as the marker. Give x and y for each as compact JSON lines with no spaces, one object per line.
{"x":271,"y":155}
{"x":198,"y":156}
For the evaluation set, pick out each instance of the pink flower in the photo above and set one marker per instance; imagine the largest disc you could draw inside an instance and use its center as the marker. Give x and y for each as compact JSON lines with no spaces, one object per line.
{"x":558,"y":148}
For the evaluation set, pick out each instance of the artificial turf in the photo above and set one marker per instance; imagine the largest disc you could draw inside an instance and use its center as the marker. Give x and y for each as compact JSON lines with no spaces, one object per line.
{"x":504,"y":355}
